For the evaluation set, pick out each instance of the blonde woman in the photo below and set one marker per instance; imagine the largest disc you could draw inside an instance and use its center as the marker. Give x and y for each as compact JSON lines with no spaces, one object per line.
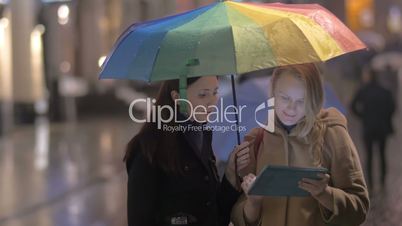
{"x":305,"y":136}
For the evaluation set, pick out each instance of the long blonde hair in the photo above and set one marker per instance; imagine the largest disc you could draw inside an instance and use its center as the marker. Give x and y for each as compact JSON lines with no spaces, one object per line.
{"x":310,"y":127}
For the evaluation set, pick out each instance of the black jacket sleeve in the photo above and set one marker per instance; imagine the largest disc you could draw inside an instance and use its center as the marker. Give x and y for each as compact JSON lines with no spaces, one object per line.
{"x":141,"y":191}
{"x":227,"y":197}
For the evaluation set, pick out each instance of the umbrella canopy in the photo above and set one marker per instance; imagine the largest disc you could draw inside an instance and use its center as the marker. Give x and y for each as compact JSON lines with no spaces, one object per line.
{"x":228,"y":38}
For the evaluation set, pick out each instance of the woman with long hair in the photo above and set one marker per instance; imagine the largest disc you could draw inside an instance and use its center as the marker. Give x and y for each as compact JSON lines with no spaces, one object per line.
{"x":305,"y":135}
{"x":172,"y":176}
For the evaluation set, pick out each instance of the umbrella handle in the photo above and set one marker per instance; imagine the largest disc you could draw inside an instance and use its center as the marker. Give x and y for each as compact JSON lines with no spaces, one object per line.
{"x":183,"y":93}
{"x":183,"y":84}
{"x":237,"y":112}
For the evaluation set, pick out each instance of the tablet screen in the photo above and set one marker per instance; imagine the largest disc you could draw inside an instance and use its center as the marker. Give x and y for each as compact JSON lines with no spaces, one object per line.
{"x":283,"y":181}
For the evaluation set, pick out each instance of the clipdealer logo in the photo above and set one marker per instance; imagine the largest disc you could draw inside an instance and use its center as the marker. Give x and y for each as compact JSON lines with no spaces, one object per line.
{"x":269,"y":106}
{"x":215,"y":114}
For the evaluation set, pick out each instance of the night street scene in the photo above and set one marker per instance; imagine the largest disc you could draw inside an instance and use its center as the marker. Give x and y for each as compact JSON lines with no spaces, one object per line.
{"x":200,"y":112}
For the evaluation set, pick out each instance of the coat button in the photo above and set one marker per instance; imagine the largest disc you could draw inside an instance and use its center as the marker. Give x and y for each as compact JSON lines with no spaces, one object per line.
{"x":206,"y":178}
{"x":186,"y":168}
{"x":208,"y":204}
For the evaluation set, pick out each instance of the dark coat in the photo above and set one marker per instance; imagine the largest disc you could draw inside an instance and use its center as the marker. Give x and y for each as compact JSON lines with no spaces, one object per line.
{"x":375,"y":106}
{"x":196,"y":197}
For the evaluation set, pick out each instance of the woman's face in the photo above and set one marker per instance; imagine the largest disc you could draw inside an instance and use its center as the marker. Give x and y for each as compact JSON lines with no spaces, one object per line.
{"x":203,"y":95}
{"x":289,"y":92}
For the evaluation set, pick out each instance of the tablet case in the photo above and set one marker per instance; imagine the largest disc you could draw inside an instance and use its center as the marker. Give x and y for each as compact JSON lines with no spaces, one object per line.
{"x":283,"y":181}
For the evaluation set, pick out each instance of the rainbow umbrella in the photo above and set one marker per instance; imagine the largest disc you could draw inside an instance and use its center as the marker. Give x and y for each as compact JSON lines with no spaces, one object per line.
{"x":228,"y":38}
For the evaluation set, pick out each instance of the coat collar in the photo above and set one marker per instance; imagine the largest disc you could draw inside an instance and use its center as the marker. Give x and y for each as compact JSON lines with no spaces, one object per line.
{"x":279,"y":130}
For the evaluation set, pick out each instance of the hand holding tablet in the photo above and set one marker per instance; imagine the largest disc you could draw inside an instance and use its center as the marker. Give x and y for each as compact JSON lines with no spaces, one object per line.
{"x":283,"y":181}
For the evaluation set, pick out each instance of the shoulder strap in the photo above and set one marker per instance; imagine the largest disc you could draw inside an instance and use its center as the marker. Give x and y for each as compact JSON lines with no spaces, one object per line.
{"x":257,"y":141}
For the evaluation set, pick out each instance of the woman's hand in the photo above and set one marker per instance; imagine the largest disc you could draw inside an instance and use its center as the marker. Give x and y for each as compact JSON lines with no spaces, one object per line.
{"x":248,"y":181}
{"x":240,"y":156}
{"x":315,"y":187}
{"x":252,"y":207}
{"x":319,"y":189}
{"x":242,"y":153}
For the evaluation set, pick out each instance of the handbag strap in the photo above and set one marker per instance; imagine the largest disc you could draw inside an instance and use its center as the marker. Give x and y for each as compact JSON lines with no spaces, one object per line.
{"x":257,"y":142}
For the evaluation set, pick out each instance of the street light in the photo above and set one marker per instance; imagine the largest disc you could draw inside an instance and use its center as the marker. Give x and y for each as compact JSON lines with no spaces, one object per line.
{"x":36,"y":37}
{"x":63,"y":14}
{"x":4,"y":22}
{"x":101,"y":60}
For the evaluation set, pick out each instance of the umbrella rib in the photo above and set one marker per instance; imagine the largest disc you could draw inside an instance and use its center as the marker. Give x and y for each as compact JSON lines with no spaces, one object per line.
{"x":309,"y":43}
{"x":233,"y":41}
{"x":119,"y":41}
{"x":260,"y":29}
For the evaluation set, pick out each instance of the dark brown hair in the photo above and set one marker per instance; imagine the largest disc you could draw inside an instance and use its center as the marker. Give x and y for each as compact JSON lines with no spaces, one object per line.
{"x":159,"y":147}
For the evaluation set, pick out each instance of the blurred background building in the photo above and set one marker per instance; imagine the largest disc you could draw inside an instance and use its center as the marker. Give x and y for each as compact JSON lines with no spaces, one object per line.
{"x":63,"y":131}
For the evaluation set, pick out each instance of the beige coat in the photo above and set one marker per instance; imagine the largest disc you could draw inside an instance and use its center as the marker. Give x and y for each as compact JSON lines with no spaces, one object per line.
{"x":339,"y":155}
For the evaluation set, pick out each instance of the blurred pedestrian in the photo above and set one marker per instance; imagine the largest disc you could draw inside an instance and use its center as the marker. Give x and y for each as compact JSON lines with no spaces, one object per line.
{"x":375,"y":106}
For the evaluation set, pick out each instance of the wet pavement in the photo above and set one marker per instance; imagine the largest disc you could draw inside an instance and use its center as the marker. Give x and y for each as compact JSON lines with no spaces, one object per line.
{"x":72,"y":174}
{"x":64,"y":174}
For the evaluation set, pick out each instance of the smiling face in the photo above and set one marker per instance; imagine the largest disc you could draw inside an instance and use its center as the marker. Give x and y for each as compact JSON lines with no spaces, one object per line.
{"x":289,"y":93}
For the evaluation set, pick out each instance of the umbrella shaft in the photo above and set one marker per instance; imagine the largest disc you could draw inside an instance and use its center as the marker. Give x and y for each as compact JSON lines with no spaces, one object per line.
{"x":235,"y":104}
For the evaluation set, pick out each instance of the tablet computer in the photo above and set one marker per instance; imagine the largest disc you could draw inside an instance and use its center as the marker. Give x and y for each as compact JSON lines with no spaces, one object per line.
{"x":283,"y":181}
